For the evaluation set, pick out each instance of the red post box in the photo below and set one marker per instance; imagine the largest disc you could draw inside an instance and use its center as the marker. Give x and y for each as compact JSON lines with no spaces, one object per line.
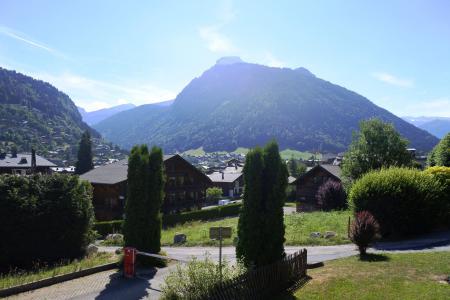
{"x":129,"y":260}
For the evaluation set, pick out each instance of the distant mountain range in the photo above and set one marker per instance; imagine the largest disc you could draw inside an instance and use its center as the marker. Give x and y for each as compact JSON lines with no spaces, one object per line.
{"x":34,"y":114}
{"x":237,"y":104}
{"x":94,"y":117}
{"x":438,"y":126}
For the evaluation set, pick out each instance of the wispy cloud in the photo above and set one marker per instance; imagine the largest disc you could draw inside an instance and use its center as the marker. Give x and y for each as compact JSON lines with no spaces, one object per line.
{"x":272,"y":61}
{"x":439,"y":107}
{"x":216,"y":41}
{"x":92,"y":94}
{"x":21,"y":37}
{"x":393,"y":80}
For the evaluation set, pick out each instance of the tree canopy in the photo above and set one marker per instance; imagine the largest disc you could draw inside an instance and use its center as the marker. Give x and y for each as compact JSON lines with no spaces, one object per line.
{"x":440,"y":155}
{"x":374,"y":146}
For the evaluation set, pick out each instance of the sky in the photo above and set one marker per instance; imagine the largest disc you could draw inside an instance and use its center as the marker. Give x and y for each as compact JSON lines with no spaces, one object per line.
{"x":103,"y":53}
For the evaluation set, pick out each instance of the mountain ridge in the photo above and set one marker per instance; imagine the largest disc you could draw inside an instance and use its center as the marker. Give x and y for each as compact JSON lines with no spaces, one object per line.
{"x":244,"y":105}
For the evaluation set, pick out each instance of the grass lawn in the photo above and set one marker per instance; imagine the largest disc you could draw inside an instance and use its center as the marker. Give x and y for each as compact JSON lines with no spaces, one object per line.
{"x":390,"y":276}
{"x":298,"y":228}
{"x":16,"y":277}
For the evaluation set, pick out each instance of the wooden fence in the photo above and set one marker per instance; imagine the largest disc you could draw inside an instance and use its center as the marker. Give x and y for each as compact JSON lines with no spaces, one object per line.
{"x":265,"y":282}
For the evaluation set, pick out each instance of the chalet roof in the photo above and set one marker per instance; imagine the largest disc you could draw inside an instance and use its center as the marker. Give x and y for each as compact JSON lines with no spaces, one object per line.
{"x":23,"y":161}
{"x":291,"y":179}
{"x":111,"y":173}
{"x":332,"y":169}
{"x":227,"y":177}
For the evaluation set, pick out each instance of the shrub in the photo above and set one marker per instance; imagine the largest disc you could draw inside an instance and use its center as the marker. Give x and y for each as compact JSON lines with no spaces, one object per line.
{"x":331,"y":195}
{"x":43,"y":218}
{"x":442,"y":174}
{"x":213,"y":193}
{"x":364,"y":230}
{"x":202,"y":214}
{"x":403,"y":201}
{"x":197,"y":278}
{"x":107,"y":227}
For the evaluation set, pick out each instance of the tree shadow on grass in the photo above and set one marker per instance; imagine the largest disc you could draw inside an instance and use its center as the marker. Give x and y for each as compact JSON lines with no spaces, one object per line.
{"x":290,"y":293}
{"x":373,"y":257}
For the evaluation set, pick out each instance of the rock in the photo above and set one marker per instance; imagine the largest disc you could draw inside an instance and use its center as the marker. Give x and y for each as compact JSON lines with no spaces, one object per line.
{"x":117,"y":237}
{"x":119,"y":251}
{"x":329,"y":234}
{"x":91,"y":249}
{"x":315,"y":235}
{"x":179,"y":238}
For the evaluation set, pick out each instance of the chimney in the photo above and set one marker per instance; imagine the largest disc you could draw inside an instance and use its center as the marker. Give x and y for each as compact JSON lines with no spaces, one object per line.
{"x":223,"y":175}
{"x":33,"y":161}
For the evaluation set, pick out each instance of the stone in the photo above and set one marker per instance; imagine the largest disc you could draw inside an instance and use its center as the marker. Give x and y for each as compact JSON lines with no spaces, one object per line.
{"x":329,"y":234}
{"x":315,"y":235}
{"x":116,"y":237}
{"x":179,"y":238}
{"x":91,"y":249}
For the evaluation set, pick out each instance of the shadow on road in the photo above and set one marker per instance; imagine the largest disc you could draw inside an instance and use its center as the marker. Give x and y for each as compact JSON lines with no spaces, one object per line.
{"x":135,"y":288}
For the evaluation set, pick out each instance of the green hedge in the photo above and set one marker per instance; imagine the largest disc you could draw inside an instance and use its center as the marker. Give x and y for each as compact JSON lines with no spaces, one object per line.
{"x":104,"y":228}
{"x":403,"y":201}
{"x":107,"y":227}
{"x":43,"y":218}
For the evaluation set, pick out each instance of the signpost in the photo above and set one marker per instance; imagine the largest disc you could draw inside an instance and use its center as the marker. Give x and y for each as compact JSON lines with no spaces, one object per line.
{"x":219,"y":233}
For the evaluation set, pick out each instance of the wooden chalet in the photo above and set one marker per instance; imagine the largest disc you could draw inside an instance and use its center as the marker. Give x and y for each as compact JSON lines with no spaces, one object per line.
{"x":230,"y":180}
{"x":22,"y":164}
{"x":185,"y":187}
{"x":309,"y":183}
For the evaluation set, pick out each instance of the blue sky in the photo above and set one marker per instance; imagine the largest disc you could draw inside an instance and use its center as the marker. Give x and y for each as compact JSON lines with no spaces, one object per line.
{"x":104,"y":53}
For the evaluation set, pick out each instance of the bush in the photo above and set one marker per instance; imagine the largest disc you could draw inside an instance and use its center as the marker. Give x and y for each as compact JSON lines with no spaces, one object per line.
{"x":331,"y":195}
{"x":403,"y":201}
{"x":364,"y":230}
{"x":202,"y":214}
{"x":43,"y":218}
{"x":213,"y":193}
{"x":442,"y":174}
{"x":196,"y":279}
{"x":107,"y":227}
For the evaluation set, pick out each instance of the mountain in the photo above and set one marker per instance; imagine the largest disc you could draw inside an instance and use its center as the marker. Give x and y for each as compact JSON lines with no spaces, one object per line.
{"x":94,"y":117}
{"x":34,"y":114}
{"x":438,"y":126}
{"x":237,"y":104}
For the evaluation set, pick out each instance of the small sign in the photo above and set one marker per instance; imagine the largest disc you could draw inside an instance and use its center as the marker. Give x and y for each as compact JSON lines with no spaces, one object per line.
{"x":214,"y":232}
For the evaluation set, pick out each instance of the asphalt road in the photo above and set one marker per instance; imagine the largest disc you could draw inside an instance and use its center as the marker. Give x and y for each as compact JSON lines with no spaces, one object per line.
{"x":111,"y":285}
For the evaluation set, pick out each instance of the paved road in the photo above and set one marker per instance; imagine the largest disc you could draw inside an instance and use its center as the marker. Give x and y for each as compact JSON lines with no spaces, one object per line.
{"x":110,"y":284}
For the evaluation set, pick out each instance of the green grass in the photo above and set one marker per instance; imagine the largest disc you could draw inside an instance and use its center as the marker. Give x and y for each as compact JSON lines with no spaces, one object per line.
{"x":288,"y":154}
{"x":241,"y":150}
{"x":195,"y":152}
{"x":298,"y":228}
{"x":390,"y":276}
{"x":18,"y":277}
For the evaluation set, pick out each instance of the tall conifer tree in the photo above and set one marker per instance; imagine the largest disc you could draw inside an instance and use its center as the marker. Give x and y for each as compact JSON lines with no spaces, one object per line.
{"x":84,"y":163}
{"x":261,"y":226}
{"x":142,"y":226}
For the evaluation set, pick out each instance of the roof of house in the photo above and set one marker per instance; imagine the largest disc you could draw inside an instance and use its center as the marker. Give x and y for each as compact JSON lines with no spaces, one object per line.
{"x":227,"y":177}
{"x":291,"y":179}
{"x":332,"y":169}
{"x":23,"y":161}
{"x":112,"y":173}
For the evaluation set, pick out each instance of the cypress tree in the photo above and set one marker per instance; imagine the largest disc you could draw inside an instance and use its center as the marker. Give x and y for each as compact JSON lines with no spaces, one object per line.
{"x":134,"y":227}
{"x":275,"y":178}
{"x":155,"y":199}
{"x":84,"y":163}
{"x":142,"y":225}
{"x":250,"y":230}
{"x":261,"y":226}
